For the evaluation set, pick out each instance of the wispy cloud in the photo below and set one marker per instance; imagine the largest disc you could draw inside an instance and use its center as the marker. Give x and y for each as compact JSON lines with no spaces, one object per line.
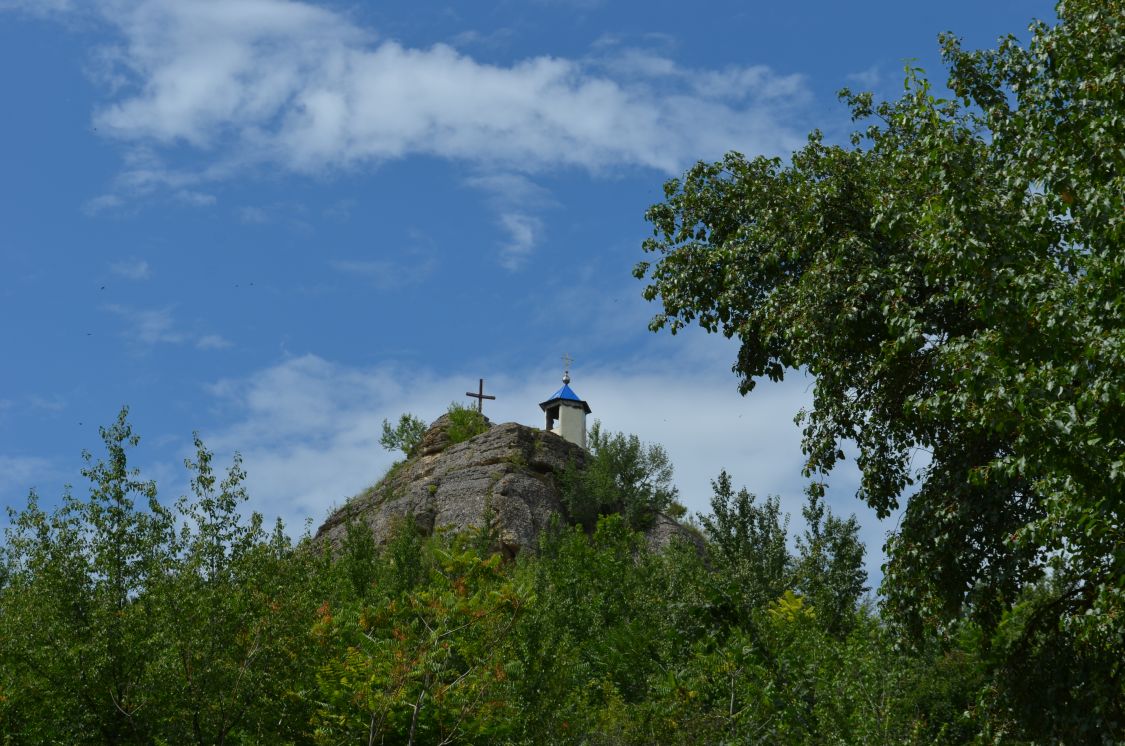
{"x":213,"y":342}
{"x":517,"y":200}
{"x":385,"y":274}
{"x":193,"y":198}
{"x":102,"y":203}
{"x":131,"y":269}
{"x":148,"y":327}
{"x":53,"y":403}
{"x":253,"y":215}
{"x":291,"y":214}
{"x":20,"y":473}
{"x":39,"y":8}
{"x":523,"y":233}
{"x":507,"y":189}
{"x":868,"y":79}
{"x":494,"y":39}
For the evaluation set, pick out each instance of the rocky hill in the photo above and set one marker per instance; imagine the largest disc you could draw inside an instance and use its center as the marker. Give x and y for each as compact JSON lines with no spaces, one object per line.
{"x":506,"y":477}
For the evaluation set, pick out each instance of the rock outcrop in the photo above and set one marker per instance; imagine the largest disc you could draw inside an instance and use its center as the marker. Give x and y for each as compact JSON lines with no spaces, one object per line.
{"x":506,"y":478}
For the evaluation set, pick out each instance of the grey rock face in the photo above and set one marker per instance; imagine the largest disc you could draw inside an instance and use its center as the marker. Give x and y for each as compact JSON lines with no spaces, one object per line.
{"x":506,"y":478}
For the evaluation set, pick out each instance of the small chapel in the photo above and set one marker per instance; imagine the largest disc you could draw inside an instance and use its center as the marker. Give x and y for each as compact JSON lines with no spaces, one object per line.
{"x":566,"y":413}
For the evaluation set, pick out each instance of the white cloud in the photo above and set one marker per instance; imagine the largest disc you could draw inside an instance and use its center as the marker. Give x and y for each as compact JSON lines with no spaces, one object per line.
{"x":39,"y":8}
{"x":495,"y":39}
{"x":213,"y":342}
{"x":253,"y":84}
{"x":753,"y":83}
{"x":868,"y":79}
{"x":288,"y":213}
{"x":53,"y":403}
{"x":387,"y":274}
{"x":508,"y":189}
{"x":131,"y":269}
{"x":308,"y":428}
{"x":148,"y":326}
{"x":523,"y":232}
{"x":515,"y":197}
{"x":20,"y":473}
{"x":193,"y":198}
{"x":102,"y":203}
{"x":289,"y":83}
{"x":253,"y":215}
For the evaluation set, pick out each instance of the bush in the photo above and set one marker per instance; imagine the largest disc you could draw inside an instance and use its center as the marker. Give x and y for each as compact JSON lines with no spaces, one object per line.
{"x":623,"y":476}
{"x":464,"y":423}
{"x":405,"y":436}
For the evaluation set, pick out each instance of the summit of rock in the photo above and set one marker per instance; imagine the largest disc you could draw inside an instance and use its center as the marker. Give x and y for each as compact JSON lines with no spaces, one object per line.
{"x":506,"y":478}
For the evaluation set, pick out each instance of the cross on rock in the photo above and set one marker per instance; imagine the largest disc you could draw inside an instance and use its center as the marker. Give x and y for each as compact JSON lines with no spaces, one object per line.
{"x":480,"y":396}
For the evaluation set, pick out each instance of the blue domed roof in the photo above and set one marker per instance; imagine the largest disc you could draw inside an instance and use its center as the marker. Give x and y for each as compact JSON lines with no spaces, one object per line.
{"x":565,"y":394}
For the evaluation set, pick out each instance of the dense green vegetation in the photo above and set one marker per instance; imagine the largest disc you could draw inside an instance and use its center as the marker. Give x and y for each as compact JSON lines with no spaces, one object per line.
{"x":622,"y":475}
{"x":137,"y":623}
{"x":127,"y":623}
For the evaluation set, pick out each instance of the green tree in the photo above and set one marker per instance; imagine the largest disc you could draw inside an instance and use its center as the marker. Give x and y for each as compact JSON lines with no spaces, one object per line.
{"x":77,"y":623}
{"x":405,"y":436}
{"x":747,"y":542}
{"x":623,"y":475}
{"x":359,"y":559}
{"x":593,"y":636}
{"x":118,"y":627}
{"x":954,"y":283}
{"x":223,"y":612}
{"x":424,"y":659}
{"x":829,"y":564}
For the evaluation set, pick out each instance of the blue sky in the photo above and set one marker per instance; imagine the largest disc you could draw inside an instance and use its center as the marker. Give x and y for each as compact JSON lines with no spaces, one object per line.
{"x":278,"y":222}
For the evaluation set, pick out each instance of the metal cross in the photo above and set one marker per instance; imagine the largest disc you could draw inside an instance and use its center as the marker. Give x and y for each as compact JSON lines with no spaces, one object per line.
{"x":480,"y":396}
{"x":567,"y":360}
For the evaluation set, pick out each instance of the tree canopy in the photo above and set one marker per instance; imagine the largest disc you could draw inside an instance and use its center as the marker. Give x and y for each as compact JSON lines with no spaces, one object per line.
{"x":954,"y":281}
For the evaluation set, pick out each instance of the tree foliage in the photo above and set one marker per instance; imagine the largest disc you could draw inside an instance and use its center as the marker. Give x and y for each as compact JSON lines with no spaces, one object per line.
{"x":749,"y":542}
{"x":119,"y":626}
{"x":953,"y":280}
{"x":405,"y":436}
{"x":623,"y":475}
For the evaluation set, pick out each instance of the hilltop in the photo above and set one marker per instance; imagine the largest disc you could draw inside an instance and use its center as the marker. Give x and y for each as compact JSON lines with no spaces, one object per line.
{"x":507,"y":479}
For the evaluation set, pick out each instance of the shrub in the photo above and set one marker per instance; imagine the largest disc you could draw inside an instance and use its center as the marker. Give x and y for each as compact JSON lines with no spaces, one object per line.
{"x":623,"y":476}
{"x":464,"y":423}
{"x":405,"y":436}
